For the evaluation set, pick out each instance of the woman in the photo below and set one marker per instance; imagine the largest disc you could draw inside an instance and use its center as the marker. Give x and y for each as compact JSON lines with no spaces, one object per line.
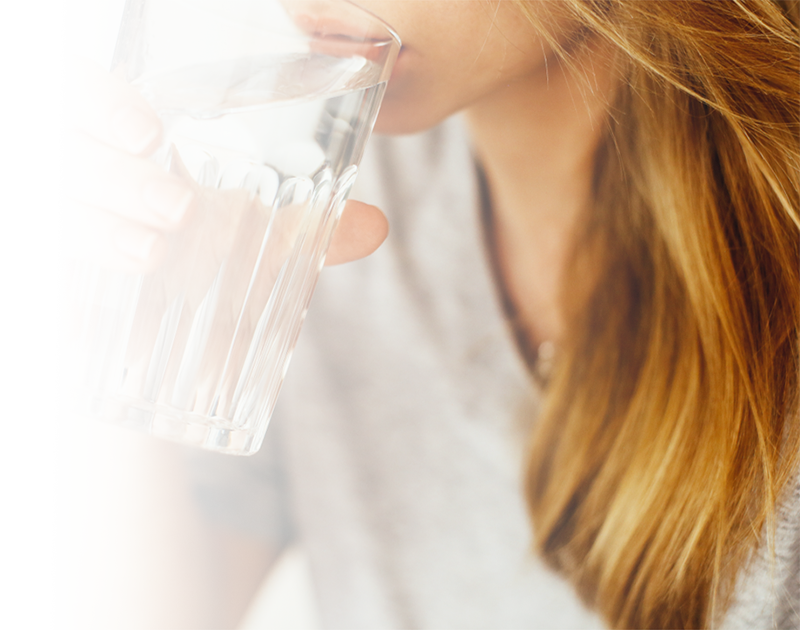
{"x":635,"y":165}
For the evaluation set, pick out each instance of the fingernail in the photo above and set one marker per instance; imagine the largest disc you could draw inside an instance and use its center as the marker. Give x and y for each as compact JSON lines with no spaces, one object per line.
{"x":135,"y":128}
{"x":135,"y":246}
{"x":168,"y":198}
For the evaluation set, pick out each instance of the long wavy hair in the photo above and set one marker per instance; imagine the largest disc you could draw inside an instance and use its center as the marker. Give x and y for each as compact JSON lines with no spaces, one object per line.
{"x":670,"y":426}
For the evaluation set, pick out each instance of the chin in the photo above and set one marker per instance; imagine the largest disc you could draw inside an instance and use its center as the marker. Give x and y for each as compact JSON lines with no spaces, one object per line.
{"x":399,"y":116}
{"x":412,"y":103}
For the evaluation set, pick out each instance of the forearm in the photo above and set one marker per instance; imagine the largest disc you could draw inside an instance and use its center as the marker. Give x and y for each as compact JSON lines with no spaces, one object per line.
{"x":136,"y":552}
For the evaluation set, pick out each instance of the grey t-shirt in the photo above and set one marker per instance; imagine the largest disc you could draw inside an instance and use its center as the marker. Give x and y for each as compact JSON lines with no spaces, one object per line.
{"x":395,"y":453}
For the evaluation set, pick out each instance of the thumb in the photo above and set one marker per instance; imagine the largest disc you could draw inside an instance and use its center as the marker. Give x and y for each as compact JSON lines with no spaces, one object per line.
{"x":360,"y":232}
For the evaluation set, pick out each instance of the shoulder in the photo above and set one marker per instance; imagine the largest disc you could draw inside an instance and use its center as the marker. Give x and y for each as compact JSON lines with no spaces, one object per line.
{"x":768,"y":593}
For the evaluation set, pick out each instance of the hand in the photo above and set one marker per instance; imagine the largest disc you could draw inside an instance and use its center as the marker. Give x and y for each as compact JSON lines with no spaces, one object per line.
{"x":123,"y":207}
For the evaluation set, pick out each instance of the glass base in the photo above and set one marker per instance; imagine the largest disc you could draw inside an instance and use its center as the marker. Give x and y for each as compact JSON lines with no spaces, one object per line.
{"x":185,"y":428}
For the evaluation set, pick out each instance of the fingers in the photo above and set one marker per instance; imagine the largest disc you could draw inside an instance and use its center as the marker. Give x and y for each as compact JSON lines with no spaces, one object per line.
{"x":110,"y":110}
{"x":106,"y":178}
{"x":118,"y":206}
{"x":360,"y":232}
{"x":112,"y":241}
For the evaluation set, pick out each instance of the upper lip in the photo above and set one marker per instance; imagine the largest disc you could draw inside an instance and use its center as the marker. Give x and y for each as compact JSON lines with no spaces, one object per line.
{"x":334,"y":28}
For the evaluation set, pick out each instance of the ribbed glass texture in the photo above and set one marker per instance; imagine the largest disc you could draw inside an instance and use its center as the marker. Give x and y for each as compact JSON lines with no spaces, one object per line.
{"x":196,"y":351}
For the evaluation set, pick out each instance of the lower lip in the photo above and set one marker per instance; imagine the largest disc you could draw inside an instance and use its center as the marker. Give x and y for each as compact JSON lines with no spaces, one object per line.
{"x":330,"y":36}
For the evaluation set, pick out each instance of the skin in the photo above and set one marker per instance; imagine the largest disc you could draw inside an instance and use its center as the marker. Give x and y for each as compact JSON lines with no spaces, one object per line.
{"x":534,"y":128}
{"x":449,"y":63}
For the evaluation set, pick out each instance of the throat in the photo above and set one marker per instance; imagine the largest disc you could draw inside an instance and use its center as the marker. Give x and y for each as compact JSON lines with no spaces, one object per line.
{"x":527,"y":289}
{"x":536,"y":148}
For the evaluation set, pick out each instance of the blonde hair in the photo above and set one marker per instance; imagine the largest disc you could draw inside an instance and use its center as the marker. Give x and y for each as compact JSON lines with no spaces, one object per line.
{"x":671,"y":420}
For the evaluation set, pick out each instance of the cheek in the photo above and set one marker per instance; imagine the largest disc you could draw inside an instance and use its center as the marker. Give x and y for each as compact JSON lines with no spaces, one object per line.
{"x":454,"y":54}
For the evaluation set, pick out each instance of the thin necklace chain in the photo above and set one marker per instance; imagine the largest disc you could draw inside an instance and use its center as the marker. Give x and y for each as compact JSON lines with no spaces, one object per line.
{"x":539,"y":358}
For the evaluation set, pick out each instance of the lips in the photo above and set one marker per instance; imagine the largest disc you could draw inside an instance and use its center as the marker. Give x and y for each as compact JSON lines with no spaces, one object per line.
{"x":324,"y":27}
{"x":337,"y":38}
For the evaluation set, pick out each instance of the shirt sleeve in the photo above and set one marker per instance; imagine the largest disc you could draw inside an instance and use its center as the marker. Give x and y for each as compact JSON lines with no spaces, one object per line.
{"x":768,"y":592}
{"x":789,"y":607}
{"x":248,"y":495}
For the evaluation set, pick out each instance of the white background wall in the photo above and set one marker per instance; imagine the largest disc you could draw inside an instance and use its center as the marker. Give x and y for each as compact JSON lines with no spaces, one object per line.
{"x":88,"y":27}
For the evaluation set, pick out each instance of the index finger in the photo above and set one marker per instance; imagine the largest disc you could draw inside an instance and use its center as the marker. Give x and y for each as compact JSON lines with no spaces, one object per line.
{"x":110,"y":110}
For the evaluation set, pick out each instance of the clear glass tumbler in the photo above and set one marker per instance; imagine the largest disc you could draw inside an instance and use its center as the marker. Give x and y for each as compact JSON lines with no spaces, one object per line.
{"x":266,"y":108}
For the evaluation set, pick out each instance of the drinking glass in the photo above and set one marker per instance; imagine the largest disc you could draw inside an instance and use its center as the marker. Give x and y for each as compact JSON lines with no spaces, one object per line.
{"x":266,"y":108}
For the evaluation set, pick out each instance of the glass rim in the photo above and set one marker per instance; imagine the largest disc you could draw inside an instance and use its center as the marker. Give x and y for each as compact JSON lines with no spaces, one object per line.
{"x":388,"y":27}
{"x":134,"y":18}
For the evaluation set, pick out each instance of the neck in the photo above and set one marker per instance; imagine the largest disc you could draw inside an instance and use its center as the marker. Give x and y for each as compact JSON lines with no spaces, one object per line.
{"x":536,"y":139}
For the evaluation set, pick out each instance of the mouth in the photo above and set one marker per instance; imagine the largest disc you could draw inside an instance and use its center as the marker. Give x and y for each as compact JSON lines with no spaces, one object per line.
{"x":326,"y":27}
{"x":338,"y":38}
